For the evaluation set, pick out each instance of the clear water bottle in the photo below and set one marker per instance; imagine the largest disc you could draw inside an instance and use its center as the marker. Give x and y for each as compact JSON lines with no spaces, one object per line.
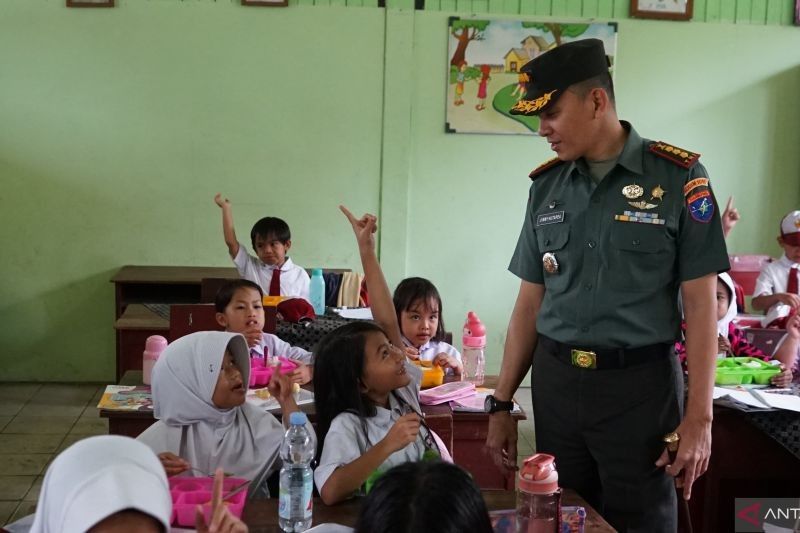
{"x":296,"y":479}
{"x":472,"y":354}
{"x":538,"y":496}
{"x":317,"y":292}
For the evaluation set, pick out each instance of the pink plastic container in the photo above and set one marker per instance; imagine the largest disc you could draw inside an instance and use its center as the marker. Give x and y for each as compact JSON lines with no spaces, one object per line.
{"x":188,"y":492}
{"x":260,"y":372}
{"x":153,"y":347}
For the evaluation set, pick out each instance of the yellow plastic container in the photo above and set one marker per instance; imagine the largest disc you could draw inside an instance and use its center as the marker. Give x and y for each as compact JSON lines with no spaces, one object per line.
{"x":432,"y":375}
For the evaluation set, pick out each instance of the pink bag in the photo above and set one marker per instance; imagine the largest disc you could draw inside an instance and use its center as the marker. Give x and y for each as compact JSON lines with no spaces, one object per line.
{"x":446,"y":392}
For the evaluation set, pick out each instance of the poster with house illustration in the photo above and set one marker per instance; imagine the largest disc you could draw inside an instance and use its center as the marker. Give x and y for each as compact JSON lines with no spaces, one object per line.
{"x":484,"y":59}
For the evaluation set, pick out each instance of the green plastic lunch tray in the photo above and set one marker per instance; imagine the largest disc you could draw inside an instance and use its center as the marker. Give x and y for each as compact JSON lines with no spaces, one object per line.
{"x":744,"y":371}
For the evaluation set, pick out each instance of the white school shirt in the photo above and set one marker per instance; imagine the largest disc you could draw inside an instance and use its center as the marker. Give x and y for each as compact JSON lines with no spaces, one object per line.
{"x":273,"y":346}
{"x":432,"y":348}
{"x":294,"y":279}
{"x":774,"y":277}
{"x":346,"y":441}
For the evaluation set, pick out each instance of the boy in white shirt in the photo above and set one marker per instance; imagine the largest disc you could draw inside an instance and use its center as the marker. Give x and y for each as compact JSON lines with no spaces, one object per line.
{"x":777,"y":284}
{"x":272,"y":269}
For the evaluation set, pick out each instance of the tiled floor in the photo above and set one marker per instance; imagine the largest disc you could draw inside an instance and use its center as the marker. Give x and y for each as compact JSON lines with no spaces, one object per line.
{"x":37,"y":421}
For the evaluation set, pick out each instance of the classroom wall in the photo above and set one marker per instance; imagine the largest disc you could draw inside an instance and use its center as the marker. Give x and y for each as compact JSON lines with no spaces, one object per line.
{"x":119,"y":125}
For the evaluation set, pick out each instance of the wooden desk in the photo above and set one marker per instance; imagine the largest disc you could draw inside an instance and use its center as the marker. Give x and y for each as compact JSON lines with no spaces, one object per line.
{"x":262,"y":515}
{"x":464,"y":434}
{"x":745,"y":463}
{"x":163,"y":284}
{"x":152,"y":284}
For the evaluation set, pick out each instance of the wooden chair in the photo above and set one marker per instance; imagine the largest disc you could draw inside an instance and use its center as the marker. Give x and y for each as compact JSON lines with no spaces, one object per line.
{"x":745,"y":269}
{"x":190,"y":318}
{"x":209,"y":288}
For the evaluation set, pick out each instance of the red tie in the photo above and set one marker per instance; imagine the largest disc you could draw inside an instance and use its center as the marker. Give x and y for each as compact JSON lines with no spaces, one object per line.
{"x":791,"y":285}
{"x":275,"y":283}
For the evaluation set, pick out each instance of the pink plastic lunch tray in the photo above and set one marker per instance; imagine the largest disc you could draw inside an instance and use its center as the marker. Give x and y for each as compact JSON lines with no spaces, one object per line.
{"x":261,"y":372}
{"x":188,"y":492}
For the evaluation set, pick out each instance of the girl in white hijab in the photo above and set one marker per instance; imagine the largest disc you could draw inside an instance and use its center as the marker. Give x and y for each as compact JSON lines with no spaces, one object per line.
{"x":199,"y":385}
{"x":100,"y":481}
{"x":732,"y":342}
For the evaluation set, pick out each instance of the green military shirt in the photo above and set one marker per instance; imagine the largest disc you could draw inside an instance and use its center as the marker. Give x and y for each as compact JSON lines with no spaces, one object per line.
{"x":622,"y":246}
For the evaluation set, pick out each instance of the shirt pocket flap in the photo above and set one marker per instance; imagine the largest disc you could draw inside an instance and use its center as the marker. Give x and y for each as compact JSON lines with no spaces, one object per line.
{"x":552,"y":239}
{"x":641,"y":238}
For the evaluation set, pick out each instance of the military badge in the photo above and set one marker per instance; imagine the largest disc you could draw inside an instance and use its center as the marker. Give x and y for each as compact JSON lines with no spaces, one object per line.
{"x":642,"y":205}
{"x":632,"y":192}
{"x":550,"y":263}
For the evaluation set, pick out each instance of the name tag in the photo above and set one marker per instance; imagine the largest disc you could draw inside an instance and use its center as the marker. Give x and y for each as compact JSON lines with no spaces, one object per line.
{"x":555,"y":217}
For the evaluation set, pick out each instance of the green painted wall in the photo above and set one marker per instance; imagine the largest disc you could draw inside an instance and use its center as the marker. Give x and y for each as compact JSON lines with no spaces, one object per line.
{"x":118,"y":126}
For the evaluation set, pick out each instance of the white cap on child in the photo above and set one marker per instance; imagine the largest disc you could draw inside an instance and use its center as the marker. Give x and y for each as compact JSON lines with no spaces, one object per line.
{"x":790,"y":228}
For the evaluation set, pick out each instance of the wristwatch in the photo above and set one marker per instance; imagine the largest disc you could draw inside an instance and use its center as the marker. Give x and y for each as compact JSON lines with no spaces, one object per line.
{"x":492,"y":405}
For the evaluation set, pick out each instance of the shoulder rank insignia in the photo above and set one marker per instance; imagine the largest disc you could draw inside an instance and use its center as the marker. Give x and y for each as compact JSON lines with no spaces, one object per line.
{"x":547,"y":165}
{"x":679,"y":156}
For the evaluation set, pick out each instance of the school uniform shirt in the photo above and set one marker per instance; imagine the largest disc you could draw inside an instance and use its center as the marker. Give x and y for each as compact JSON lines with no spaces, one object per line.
{"x":774,"y":277}
{"x":432,"y":348}
{"x":96,"y":478}
{"x":273,"y":346}
{"x":294,"y":279}
{"x":244,"y":440}
{"x":350,"y":436}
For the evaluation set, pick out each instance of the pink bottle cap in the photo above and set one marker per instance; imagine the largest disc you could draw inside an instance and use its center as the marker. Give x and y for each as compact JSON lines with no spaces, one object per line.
{"x":538,"y":474}
{"x":153,"y":347}
{"x":474,"y":332}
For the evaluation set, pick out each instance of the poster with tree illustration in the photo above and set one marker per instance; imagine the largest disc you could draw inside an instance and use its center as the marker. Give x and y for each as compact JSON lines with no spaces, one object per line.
{"x":485,"y":57}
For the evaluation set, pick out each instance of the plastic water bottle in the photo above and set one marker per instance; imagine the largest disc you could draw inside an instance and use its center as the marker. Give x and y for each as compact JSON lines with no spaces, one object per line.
{"x":317,"y":292}
{"x":296,"y":481}
{"x":473,"y":343}
{"x":153,"y":347}
{"x":538,"y":497}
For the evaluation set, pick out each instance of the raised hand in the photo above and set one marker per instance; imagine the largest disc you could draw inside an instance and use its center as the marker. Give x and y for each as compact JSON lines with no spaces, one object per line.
{"x":364,"y":227}
{"x":729,"y":217}
{"x":222,"y":202}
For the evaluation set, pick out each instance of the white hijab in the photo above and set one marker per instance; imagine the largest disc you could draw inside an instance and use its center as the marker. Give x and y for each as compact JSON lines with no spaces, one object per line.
{"x":724,"y":323}
{"x":97,"y":477}
{"x":244,"y":440}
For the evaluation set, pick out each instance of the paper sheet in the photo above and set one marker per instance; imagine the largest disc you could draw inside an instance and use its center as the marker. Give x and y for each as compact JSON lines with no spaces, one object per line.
{"x":358,"y":313}
{"x":790,"y":402}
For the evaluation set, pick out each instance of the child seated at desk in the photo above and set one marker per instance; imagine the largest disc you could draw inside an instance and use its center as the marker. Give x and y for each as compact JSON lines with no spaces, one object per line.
{"x":776,"y":288}
{"x":239,"y":310}
{"x":366,"y":392}
{"x":419,"y":311}
{"x":434,"y":497}
{"x":112,"y":483}
{"x":272,"y":269}
{"x":732,"y":342}
{"x":199,"y":386}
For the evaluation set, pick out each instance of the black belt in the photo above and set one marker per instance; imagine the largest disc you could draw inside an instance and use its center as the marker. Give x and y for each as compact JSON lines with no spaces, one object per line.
{"x":604,"y":358}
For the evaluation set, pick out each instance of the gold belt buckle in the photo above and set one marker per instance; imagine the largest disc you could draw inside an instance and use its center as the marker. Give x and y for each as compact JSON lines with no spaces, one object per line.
{"x":584,"y":359}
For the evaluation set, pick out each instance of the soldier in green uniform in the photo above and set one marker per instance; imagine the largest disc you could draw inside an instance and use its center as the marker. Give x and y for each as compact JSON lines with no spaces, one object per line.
{"x":615,"y":227}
